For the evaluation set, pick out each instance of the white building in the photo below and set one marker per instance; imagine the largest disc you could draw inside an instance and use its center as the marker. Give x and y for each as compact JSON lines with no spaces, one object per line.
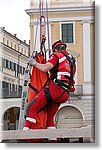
{"x":14,"y":54}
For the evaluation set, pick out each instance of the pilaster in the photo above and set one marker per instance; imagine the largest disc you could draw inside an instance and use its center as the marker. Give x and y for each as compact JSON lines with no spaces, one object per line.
{"x":87,"y":85}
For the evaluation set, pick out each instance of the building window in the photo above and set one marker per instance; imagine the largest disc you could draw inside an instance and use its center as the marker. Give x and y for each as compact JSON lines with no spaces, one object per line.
{"x":14,"y":67}
{"x":18,"y":48}
{"x":5,"y":85}
{"x":22,"y":50}
{"x":4,"y":63}
{"x":15,"y":46}
{"x":13,"y":87}
{"x":25,"y":52}
{"x":67,"y":32}
{"x":20,"y":69}
{"x":3,"y":40}
{"x":7,"y":42}
{"x":11,"y":44}
{"x":8,"y":64}
{"x":23,"y":70}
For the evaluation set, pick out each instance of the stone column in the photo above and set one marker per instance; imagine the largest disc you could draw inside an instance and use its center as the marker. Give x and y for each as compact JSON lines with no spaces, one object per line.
{"x":87,"y":85}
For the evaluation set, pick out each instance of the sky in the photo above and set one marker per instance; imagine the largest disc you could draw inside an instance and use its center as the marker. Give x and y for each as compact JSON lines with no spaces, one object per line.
{"x":14,"y":18}
{"x":20,"y":25}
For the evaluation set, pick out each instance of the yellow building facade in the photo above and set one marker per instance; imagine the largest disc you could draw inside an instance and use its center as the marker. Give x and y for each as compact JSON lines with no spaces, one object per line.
{"x":79,"y":16}
{"x":73,"y":22}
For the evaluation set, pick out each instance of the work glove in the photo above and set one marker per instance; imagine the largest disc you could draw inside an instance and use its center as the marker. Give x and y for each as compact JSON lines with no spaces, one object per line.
{"x":32,"y":61}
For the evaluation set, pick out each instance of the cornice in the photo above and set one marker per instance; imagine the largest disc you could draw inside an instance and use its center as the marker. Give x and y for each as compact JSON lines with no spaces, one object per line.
{"x":9,"y":49}
{"x":61,"y":10}
{"x":12,"y":36}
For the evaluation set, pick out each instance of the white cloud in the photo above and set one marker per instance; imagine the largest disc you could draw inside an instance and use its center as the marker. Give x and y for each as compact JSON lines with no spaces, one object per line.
{"x":6,"y":2}
{"x":14,"y":18}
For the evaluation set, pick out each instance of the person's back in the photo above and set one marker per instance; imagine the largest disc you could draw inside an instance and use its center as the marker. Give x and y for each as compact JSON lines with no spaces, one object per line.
{"x":58,"y":87}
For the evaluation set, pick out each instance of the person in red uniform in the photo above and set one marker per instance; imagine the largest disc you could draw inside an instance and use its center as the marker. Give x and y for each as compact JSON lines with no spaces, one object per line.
{"x":57,"y":92}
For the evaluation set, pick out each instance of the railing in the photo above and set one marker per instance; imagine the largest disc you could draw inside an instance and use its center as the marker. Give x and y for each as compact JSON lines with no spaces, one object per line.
{"x":11,"y":93}
{"x":78,"y":91}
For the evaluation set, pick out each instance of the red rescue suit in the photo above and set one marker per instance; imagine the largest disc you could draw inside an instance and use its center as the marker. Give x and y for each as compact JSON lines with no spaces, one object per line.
{"x":58,"y":95}
{"x":62,"y":72}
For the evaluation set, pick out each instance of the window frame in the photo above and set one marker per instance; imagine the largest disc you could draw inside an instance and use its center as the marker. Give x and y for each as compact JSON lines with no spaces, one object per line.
{"x":73,"y":30}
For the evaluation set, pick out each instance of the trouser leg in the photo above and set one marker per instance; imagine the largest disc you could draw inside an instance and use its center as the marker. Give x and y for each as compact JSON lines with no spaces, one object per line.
{"x":50,"y":118}
{"x":40,"y":101}
{"x":33,"y":108}
{"x":51,"y":113}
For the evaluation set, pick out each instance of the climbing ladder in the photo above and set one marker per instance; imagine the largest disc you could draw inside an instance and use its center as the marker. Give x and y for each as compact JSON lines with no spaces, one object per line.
{"x":27,"y":73}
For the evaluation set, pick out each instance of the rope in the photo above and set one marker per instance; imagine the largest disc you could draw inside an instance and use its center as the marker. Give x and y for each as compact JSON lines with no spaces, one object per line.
{"x":36,"y":30}
{"x":42,"y":34}
{"x":48,"y":29}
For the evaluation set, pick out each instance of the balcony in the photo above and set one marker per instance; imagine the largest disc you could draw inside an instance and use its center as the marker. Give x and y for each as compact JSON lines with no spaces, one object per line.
{"x":78,"y":91}
{"x":11,"y":93}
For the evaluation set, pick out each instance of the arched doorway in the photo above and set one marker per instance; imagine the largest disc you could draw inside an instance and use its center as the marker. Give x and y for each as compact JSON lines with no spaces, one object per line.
{"x":68,"y":117}
{"x":10,"y":119}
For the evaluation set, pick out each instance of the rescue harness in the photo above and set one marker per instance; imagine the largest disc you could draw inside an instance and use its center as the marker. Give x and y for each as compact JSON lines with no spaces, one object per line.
{"x":67,"y":87}
{"x":63,"y":84}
